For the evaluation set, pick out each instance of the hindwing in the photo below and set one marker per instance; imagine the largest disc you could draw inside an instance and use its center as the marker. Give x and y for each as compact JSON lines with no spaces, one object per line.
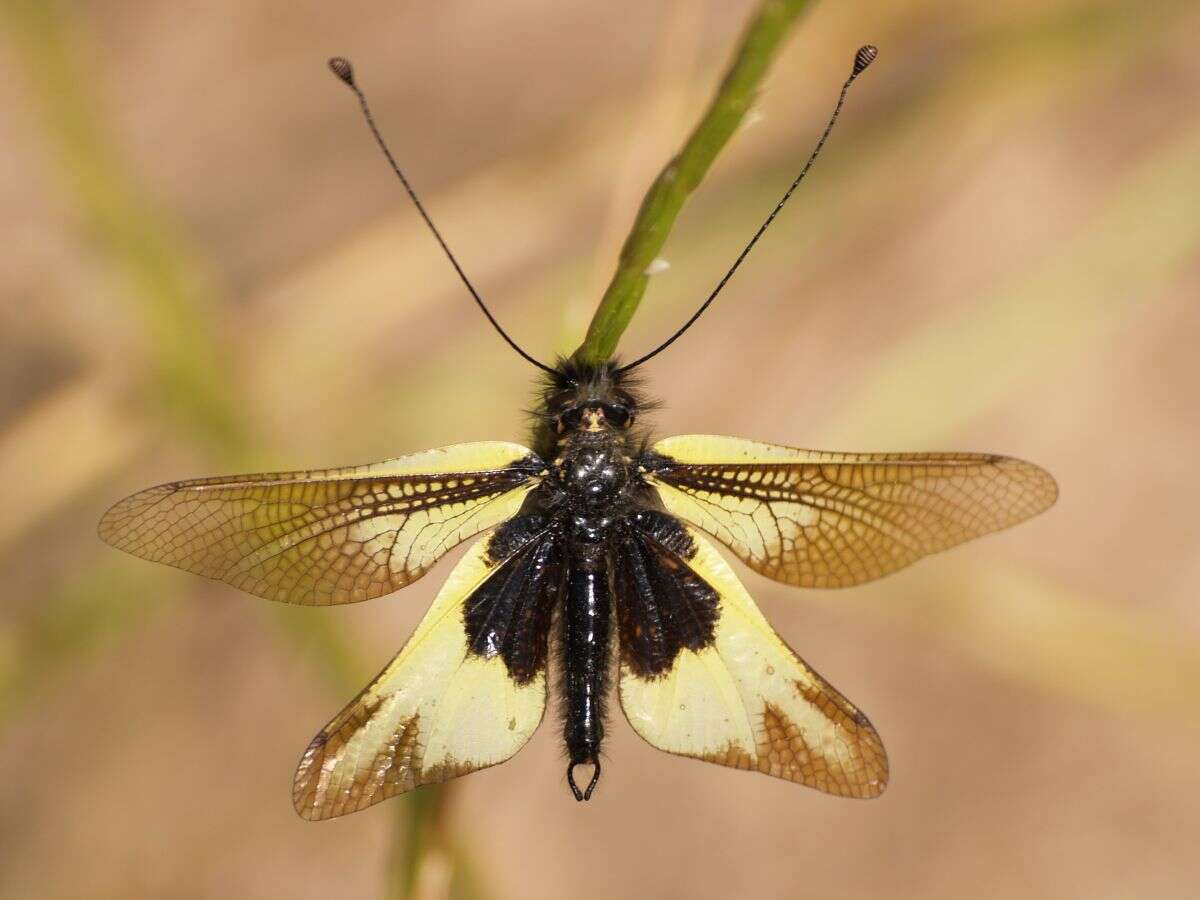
{"x":745,"y":699}
{"x":466,"y":692}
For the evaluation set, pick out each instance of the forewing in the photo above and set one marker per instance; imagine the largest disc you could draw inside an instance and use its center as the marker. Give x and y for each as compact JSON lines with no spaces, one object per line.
{"x":328,"y":536}
{"x":439,"y":710}
{"x":817,"y":519}
{"x":747,"y":701}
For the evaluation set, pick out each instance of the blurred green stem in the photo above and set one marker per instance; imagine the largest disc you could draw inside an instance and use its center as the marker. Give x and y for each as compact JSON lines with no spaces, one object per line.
{"x":683,"y":174}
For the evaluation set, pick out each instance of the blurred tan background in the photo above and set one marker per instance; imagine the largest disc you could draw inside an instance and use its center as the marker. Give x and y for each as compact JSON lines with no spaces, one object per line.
{"x":207,"y":268}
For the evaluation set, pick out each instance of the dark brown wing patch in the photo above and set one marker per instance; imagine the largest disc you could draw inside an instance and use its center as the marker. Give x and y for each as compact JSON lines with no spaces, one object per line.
{"x":783,"y":751}
{"x":396,"y":768}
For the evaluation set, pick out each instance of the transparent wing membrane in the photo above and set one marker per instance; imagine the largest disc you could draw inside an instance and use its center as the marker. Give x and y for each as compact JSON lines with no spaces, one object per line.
{"x":817,"y":519}
{"x":329,"y":536}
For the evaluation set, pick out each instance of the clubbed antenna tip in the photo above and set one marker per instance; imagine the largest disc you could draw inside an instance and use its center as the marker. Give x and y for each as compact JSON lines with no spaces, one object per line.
{"x":342,"y":69}
{"x":864,"y":57}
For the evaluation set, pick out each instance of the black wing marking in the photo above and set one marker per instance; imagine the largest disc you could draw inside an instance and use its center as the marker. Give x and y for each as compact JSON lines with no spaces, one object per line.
{"x":749,"y":702}
{"x":509,"y":614}
{"x":663,"y":606}
{"x":436,"y":712}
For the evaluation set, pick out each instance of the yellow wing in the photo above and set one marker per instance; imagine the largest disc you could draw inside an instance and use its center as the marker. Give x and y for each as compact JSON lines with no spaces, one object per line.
{"x":439,"y":710}
{"x":327,"y":536}
{"x":816,"y":519}
{"x":749,"y":702}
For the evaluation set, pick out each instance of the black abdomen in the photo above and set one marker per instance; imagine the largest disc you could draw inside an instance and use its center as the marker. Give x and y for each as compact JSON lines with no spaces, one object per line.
{"x":586,"y":635}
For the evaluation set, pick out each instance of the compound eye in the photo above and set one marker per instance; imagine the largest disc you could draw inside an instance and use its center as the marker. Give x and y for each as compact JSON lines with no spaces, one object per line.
{"x":617,"y":416}
{"x":569,"y":419}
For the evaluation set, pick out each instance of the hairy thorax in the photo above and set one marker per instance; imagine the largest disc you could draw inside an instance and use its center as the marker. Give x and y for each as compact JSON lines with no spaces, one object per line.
{"x":585,"y":431}
{"x":593,"y":474}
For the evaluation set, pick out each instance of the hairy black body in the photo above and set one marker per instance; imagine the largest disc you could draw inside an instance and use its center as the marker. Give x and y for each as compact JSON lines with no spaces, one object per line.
{"x":590,"y":548}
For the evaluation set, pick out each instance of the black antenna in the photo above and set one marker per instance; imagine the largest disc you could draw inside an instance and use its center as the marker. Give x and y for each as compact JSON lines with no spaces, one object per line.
{"x":342,"y":69}
{"x":863,"y":58}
